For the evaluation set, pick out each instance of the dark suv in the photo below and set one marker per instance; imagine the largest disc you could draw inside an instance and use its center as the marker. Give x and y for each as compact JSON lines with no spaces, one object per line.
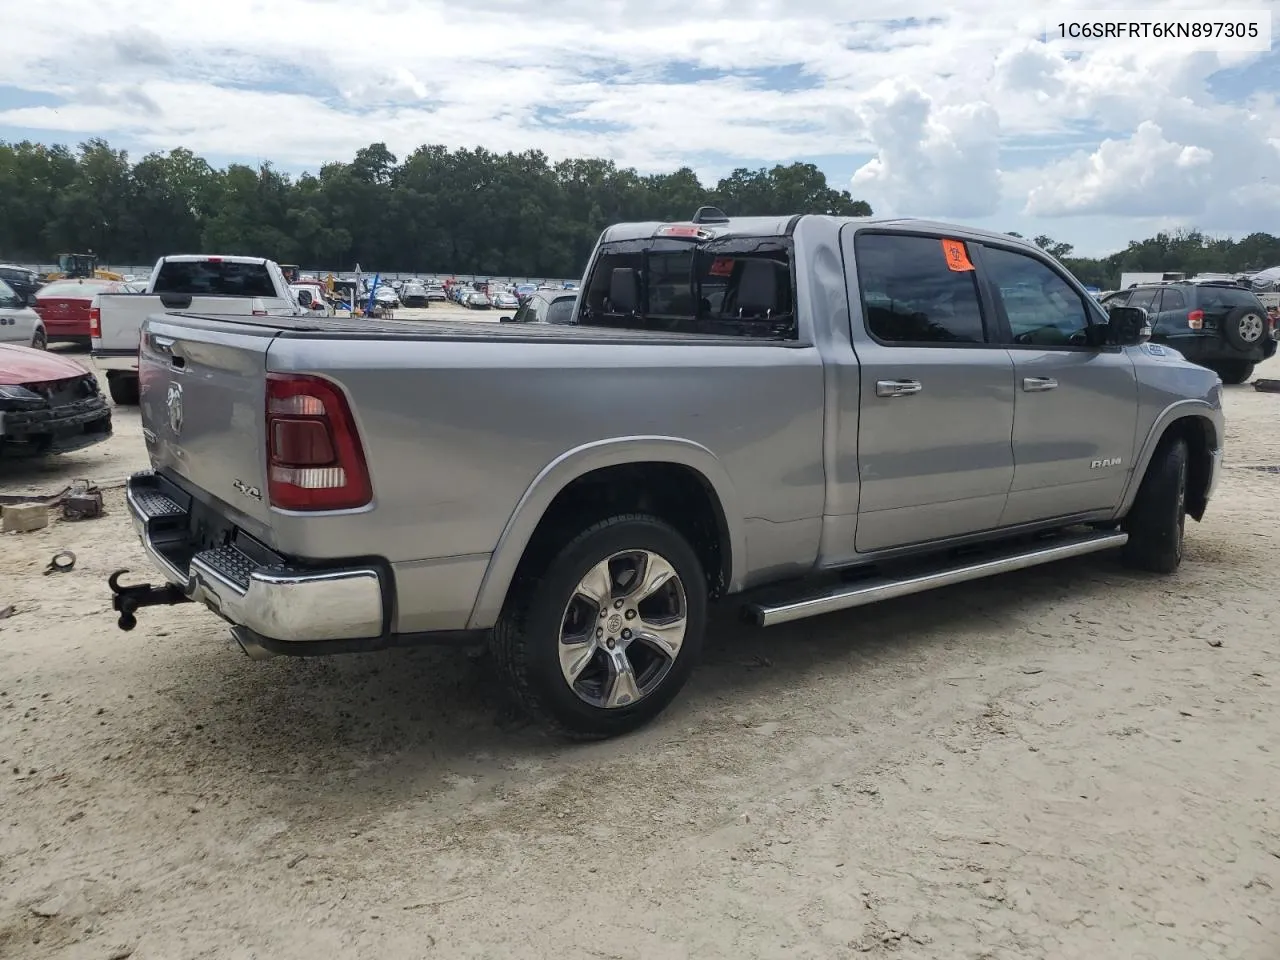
{"x":1214,"y":323}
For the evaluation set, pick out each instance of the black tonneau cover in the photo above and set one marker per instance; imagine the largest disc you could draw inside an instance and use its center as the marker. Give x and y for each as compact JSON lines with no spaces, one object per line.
{"x":344,"y":328}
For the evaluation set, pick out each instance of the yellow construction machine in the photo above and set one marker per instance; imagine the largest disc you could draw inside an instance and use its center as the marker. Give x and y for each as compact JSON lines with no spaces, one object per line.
{"x":73,"y":266}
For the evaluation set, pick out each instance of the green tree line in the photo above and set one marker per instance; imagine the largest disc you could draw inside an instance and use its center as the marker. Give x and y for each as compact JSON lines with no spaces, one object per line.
{"x":464,"y":211}
{"x":1186,"y":251}
{"x":440,"y":210}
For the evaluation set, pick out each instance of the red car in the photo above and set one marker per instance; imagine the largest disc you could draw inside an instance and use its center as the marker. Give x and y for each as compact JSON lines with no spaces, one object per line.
{"x":64,"y":307}
{"x":48,"y":404}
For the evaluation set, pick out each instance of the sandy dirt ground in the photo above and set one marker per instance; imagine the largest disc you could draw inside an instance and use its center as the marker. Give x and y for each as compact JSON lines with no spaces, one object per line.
{"x":1073,"y":761}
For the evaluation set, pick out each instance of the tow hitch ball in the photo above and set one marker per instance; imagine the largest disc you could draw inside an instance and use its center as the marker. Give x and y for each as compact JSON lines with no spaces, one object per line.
{"x":128,"y":599}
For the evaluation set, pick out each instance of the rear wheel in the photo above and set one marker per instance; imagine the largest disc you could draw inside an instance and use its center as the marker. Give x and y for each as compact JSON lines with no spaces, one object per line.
{"x":123,"y":389}
{"x":602,"y":640}
{"x":39,"y":341}
{"x":1158,"y":519}
{"x":1234,"y":371}
{"x":1244,"y":328}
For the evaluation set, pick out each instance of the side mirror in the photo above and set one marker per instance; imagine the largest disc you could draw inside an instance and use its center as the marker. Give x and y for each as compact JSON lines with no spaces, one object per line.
{"x":1128,"y":326}
{"x":31,"y":300}
{"x":317,"y":305}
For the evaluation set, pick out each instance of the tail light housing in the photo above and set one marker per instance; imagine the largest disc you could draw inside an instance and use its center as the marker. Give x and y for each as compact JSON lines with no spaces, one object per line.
{"x":95,"y":322}
{"x":1195,"y":319}
{"x":315,"y":460}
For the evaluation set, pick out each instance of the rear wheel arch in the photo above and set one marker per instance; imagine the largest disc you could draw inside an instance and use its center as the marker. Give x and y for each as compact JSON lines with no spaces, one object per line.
{"x":677,"y":481}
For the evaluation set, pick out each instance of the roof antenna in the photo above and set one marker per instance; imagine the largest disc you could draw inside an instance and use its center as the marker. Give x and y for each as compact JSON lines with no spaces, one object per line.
{"x":710,"y":215}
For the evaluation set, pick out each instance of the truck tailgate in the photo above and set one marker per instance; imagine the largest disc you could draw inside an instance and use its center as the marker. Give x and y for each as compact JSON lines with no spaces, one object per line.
{"x":121,"y":314}
{"x":203,"y":396}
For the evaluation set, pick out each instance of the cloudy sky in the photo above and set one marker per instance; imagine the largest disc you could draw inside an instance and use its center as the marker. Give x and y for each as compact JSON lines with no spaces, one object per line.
{"x":965,"y":114}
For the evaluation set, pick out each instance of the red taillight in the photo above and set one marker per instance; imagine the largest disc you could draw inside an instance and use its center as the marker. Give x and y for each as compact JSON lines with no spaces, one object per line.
{"x":1195,"y":319}
{"x":314,"y":457}
{"x":95,"y":322}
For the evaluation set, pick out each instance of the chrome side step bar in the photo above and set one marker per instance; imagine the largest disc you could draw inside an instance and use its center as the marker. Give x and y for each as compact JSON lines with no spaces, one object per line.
{"x":885,"y":588}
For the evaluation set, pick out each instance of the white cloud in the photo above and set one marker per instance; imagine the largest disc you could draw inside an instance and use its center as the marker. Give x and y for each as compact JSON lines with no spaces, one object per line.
{"x":935,"y":161}
{"x":964,"y":114}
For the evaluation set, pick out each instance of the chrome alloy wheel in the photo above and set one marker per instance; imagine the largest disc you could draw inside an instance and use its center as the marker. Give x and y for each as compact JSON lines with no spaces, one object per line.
{"x":622,"y":629}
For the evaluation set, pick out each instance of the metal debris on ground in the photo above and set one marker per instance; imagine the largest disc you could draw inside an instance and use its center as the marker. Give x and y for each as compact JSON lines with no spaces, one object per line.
{"x":82,"y":501}
{"x":62,"y":561}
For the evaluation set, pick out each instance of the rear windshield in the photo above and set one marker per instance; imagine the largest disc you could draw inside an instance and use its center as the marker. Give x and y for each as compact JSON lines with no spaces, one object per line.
{"x":735,"y":287}
{"x":214,"y":277}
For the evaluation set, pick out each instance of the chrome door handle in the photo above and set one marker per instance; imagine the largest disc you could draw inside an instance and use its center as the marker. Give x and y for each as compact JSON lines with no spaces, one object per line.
{"x":897,"y":388}
{"x":1038,"y":384}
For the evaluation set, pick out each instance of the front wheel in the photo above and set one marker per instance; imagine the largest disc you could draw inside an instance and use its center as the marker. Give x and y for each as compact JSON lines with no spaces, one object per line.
{"x":602,"y":640}
{"x":39,"y":341}
{"x":1157,"y":522}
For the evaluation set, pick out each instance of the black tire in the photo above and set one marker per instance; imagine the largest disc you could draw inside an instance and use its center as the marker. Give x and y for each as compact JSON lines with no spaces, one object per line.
{"x":1234,"y":371}
{"x":123,"y":390}
{"x":1158,"y":519}
{"x":527,"y":639}
{"x":39,"y":341}
{"x":1245,"y":328}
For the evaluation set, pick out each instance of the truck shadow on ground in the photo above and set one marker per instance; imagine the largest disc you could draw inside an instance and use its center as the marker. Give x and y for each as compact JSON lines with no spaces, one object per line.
{"x":409,"y":721}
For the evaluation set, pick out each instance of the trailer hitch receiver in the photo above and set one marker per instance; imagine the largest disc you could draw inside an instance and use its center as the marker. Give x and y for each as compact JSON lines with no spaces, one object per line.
{"x":127,"y":599}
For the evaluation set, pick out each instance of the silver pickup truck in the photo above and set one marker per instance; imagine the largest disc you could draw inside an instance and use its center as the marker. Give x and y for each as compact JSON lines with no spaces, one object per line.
{"x":805,"y":414}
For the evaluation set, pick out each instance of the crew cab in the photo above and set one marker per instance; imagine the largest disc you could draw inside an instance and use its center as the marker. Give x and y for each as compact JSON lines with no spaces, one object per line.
{"x":794,"y":415}
{"x":183,"y":283}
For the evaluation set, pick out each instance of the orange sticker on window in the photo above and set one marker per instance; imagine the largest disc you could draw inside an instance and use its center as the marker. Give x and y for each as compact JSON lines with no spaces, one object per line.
{"x":721,"y":267}
{"x":957,"y":256}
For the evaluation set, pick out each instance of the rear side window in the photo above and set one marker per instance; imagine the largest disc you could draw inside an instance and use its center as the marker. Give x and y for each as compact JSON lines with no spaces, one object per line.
{"x":1171,"y":300}
{"x":1227,"y":298}
{"x":214,"y":278}
{"x":911,"y":294}
{"x":1144,"y":298}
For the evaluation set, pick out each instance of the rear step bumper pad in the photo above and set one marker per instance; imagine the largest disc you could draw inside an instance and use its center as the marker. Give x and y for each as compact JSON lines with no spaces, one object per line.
{"x":277,"y":602}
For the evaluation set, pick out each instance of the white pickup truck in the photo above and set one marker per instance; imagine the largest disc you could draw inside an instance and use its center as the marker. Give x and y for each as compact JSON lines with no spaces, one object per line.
{"x":185,"y":283}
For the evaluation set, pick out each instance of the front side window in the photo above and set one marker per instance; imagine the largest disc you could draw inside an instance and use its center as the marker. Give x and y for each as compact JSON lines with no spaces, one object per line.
{"x":912,"y":294}
{"x":1042,"y":308}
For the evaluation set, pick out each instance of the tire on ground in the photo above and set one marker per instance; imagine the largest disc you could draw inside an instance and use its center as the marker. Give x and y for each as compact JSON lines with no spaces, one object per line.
{"x":123,"y":389}
{"x":526,"y":640}
{"x":1157,"y":520}
{"x":1234,"y":371}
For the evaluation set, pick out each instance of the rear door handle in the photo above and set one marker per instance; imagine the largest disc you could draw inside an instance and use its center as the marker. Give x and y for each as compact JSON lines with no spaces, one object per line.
{"x":897,"y":388}
{"x":1038,"y":384}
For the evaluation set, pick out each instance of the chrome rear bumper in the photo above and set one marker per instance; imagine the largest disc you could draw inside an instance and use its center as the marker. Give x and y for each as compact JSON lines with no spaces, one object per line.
{"x":247,"y":584}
